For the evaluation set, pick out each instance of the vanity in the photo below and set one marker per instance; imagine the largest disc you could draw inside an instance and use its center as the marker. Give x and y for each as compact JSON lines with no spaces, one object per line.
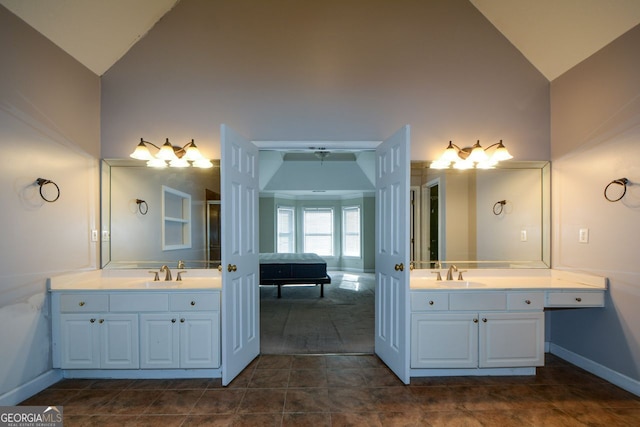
{"x":492,"y":321}
{"x":123,"y":324}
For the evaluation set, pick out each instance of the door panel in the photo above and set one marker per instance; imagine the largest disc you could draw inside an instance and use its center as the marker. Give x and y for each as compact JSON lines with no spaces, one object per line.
{"x":392,"y":253}
{"x":240,"y":293}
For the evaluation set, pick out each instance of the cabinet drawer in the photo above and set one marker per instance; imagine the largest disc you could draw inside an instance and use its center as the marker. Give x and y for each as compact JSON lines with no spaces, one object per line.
{"x":81,"y":303}
{"x":575,"y":299}
{"x":429,"y":301}
{"x":138,"y":301}
{"x":195,"y":302}
{"x":478,"y":301}
{"x":525,"y":300}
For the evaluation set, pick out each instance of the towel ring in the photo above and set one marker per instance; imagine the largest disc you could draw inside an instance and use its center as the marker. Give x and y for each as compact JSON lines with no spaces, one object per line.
{"x":498,"y":207}
{"x":143,"y":207}
{"x":620,"y":181}
{"x":42,"y":182}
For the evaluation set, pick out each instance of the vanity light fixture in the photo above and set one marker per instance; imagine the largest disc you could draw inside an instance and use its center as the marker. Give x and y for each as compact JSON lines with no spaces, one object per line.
{"x":471,"y":157}
{"x":175,"y":156}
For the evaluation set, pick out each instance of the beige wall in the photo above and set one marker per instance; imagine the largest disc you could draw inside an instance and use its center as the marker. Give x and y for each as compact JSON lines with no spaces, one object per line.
{"x":49,"y":128}
{"x":595,"y":116}
{"x":326,"y":70}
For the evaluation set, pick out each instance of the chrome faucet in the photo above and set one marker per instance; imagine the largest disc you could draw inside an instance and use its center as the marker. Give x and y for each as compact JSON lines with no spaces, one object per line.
{"x":452,"y":268}
{"x":167,"y":271}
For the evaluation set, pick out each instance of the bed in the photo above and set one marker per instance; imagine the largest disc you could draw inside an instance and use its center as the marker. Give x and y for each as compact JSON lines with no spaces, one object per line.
{"x":293,"y":269}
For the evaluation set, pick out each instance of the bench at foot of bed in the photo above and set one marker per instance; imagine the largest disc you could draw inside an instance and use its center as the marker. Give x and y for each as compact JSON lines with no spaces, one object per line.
{"x":284,"y":282}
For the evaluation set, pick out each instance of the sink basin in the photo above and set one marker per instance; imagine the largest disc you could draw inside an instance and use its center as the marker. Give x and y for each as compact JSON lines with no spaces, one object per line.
{"x":461,"y":284}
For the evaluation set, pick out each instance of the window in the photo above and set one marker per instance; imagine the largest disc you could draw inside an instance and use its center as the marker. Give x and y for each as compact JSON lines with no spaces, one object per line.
{"x":351,"y":231}
{"x":318,"y":231}
{"x":285,"y":229}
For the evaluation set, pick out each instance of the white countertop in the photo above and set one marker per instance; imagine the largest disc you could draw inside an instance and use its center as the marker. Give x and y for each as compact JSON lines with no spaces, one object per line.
{"x":126,"y":280}
{"x":504,"y":279}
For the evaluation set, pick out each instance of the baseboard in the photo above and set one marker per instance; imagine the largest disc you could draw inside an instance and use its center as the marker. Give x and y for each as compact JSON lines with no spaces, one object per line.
{"x":31,"y":388}
{"x":614,"y":377}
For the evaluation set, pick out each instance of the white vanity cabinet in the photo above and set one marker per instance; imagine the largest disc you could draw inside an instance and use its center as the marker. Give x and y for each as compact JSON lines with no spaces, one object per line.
{"x":136,"y":330}
{"x":184,"y":337}
{"x":476,"y":329}
{"x":92,"y":338}
{"x":99,"y":341}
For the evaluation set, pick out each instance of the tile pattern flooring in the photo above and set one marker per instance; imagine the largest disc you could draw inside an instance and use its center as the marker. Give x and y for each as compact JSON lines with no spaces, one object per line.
{"x":346,"y":390}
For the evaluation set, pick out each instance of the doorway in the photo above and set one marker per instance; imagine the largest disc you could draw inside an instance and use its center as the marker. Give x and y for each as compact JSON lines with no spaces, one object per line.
{"x":300,"y":322}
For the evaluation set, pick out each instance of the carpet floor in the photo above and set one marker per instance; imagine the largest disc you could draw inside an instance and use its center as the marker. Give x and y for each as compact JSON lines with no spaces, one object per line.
{"x":303,"y":323}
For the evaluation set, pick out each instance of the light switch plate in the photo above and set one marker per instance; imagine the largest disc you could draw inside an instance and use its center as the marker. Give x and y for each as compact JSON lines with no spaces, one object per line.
{"x":583,"y":236}
{"x":523,"y":235}
{"x":94,"y":235}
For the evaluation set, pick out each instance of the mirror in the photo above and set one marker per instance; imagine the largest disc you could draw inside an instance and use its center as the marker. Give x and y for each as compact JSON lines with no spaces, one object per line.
{"x":481,"y":218}
{"x":463,"y":228}
{"x":153,"y":216}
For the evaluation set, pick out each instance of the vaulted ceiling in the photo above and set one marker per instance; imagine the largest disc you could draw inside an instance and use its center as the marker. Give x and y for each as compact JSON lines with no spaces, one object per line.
{"x":554,"y":35}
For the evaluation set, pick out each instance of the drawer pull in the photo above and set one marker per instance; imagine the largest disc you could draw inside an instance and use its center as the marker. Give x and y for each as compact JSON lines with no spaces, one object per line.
{"x":92,"y":320}
{"x":527,"y":301}
{"x":578,"y":299}
{"x":101,"y":321}
{"x":430,"y":302}
{"x":475,"y":320}
{"x":173,"y":320}
{"x":193,"y":303}
{"x":181,"y":320}
{"x":81,"y":303}
{"x":484,"y":320}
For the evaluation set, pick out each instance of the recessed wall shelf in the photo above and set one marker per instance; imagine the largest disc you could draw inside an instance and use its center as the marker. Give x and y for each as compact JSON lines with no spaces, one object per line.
{"x":176,"y":219}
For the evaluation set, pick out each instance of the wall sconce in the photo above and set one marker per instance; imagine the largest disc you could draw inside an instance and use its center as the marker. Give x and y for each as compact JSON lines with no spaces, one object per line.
{"x":471,"y":157}
{"x":176,"y":156}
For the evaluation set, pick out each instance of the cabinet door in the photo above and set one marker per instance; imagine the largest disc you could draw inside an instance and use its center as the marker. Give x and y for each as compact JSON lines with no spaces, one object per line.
{"x":79,"y":341}
{"x":444,"y":340}
{"x":119,"y":341}
{"x":159,"y":338}
{"x":200,"y":340}
{"x":511,"y":339}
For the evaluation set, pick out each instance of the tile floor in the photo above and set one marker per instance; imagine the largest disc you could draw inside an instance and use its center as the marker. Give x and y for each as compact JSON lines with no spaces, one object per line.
{"x":346,"y":390}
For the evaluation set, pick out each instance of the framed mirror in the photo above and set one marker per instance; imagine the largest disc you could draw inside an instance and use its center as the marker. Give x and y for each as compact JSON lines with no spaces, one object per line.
{"x":481,"y":218}
{"x":151,"y":217}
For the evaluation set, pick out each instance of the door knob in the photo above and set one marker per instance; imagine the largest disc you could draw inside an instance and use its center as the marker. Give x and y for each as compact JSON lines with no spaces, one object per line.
{"x":231,"y":267}
{"x":399,"y":267}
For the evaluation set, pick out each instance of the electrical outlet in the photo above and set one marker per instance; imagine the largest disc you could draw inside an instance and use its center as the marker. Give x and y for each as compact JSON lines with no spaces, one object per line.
{"x":94,"y":235}
{"x":583,"y":235}
{"x":523,"y":235}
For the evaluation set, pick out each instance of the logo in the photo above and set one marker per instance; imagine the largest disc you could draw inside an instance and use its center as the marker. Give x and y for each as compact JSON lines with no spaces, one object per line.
{"x":30,"y":416}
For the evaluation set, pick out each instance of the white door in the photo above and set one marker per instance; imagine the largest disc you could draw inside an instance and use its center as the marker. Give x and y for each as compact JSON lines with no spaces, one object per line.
{"x":392,"y":253}
{"x":240,"y":269}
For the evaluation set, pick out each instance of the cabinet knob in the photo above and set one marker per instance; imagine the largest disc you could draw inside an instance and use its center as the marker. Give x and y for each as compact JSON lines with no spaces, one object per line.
{"x":475,"y":320}
{"x":430,"y":302}
{"x":173,"y":320}
{"x":181,"y":320}
{"x":92,"y":320}
{"x":527,"y":301}
{"x":81,"y":303}
{"x":101,"y":321}
{"x":484,"y":320}
{"x":193,"y":303}
{"x":578,"y":299}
